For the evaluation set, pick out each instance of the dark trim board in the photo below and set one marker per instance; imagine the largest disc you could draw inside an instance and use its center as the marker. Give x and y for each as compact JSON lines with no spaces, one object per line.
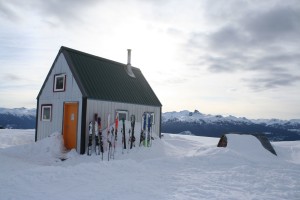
{"x":36,"y":119}
{"x":160,"y":123}
{"x":83,"y":125}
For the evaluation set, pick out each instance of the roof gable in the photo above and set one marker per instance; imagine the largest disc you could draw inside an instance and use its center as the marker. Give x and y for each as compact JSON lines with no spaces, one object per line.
{"x":104,"y":79}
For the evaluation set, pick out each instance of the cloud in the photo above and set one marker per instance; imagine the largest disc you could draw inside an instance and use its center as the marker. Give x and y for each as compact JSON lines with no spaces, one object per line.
{"x":11,"y":77}
{"x":257,"y":38}
{"x":272,"y":81}
{"x":50,"y":11}
{"x":7,"y":11}
{"x":276,"y":25}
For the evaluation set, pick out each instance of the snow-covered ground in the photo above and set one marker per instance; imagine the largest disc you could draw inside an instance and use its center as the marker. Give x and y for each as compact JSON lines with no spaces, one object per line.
{"x":175,"y":167}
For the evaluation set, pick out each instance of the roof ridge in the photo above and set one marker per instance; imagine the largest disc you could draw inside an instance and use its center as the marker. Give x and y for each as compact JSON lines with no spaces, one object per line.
{"x":62,"y":48}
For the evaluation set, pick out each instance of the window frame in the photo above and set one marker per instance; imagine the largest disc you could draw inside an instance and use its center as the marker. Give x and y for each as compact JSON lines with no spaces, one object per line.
{"x":56,"y":76}
{"x":123,"y":112}
{"x":44,"y":106}
{"x":152,"y":118}
{"x":152,"y":115}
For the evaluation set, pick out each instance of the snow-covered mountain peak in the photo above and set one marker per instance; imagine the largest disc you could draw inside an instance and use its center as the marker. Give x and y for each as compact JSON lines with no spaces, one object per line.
{"x":197,"y":116}
{"x":18,"y":111}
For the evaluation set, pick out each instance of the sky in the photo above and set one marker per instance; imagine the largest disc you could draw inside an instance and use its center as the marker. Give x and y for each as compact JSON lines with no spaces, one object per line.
{"x":228,"y":57}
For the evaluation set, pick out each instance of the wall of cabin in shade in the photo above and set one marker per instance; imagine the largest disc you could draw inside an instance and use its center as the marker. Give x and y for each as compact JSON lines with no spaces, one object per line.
{"x":104,"y":108}
{"x":57,"y":99}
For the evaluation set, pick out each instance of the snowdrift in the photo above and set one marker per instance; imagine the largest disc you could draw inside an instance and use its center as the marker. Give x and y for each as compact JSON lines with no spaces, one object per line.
{"x":246,"y":142}
{"x":175,"y":167}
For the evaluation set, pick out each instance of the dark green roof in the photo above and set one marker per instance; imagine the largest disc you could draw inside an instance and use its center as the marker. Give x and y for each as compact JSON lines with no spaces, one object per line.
{"x":104,"y":79}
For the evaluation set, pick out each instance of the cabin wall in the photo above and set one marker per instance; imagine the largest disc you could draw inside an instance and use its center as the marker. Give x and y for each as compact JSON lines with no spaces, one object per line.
{"x":57,"y":99}
{"x":103,"y":108}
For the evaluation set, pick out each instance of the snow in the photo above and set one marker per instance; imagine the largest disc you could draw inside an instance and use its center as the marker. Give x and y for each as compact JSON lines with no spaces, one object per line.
{"x":175,"y":167}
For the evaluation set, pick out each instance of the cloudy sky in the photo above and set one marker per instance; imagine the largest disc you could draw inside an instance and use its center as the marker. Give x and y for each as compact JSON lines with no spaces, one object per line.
{"x":229,"y":57}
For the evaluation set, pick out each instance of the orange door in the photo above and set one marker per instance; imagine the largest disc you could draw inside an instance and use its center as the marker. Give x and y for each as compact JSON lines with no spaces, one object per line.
{"x":70,"y":124}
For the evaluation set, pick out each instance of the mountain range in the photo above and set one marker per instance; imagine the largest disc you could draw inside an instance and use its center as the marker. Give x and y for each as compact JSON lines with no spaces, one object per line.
{"x":184,"y":122}
{"x":196,"y":123}
{"x":17,"y":118}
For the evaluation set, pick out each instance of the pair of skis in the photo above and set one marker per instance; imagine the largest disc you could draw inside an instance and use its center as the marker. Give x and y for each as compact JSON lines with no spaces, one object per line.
{"x":95,"y":130}
{"x":131,"y":140}
{"x":146,"y":130}
{"x":131,"y":137}
{"x":112,"y":137}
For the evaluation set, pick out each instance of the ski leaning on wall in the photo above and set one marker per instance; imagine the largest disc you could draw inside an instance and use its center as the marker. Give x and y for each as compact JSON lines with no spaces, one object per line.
{"x":116,"y":133}
{"x":100,"y":137}
{"x":143,"y":129}
{"x":123,"y":136}
{"x":146,"y":130}
{"x":108,"y":137}
{"x":94,"y":133}
{"x":90,"y":142}
{"x":132,"y":138}
{"x":149,"y":132}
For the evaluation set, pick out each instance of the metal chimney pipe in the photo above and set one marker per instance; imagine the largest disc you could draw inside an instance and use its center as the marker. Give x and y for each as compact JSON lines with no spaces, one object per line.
{"x":128,"y":67}
{"x":129,"y":57}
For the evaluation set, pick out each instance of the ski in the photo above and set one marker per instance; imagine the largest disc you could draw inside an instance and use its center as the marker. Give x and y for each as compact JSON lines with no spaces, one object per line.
{"x":108,"y":139}
{"x":132,"y":138}
{"x":90,"y":141}
{"x":116,"y":133}
{"x":96,"y":132}
{"x":143,"y":129}
{"x":129,"y":137}
{"x":100,"y":137}
{"x":149,"y":131}
{"x":123,"y":136}
{"x":112,"y":148}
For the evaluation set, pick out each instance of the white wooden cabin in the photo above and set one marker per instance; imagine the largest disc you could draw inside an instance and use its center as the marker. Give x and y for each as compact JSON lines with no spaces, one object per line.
{"x":79,"y":85}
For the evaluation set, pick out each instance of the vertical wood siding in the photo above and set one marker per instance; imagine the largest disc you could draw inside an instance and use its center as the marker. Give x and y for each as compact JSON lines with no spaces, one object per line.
{"x":103,"y":108}
{"x":57,"y":99}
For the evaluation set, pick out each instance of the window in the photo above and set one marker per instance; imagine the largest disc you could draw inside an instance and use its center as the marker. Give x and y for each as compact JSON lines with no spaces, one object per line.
{"x":46,"y":112}
{"x":59,"y":83}
{"x":122,"y":114}
{"x":152,"y":118}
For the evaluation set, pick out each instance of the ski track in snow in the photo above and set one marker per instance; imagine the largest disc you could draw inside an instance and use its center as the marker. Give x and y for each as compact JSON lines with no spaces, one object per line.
{"x":175,"y":167}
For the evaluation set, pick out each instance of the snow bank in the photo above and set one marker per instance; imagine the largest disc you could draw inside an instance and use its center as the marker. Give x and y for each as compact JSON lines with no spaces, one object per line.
{"x":289,"y":151}
{"x":248,"y":147}
{"x":47,"y":151}
{"x":175,"y":167}
{"x":14,"y":137}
